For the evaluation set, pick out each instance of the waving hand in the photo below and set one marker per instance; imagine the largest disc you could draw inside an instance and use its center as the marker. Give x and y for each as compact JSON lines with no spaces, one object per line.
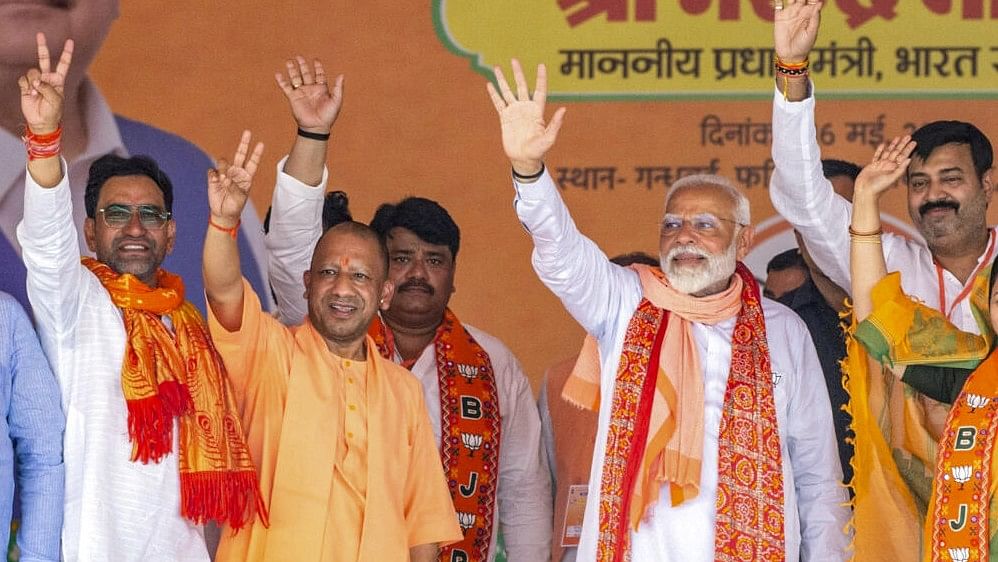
{"x":526,"y":137}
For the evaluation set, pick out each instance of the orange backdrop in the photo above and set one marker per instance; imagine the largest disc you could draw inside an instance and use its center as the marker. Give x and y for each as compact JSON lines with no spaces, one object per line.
{"x":416,"y":120}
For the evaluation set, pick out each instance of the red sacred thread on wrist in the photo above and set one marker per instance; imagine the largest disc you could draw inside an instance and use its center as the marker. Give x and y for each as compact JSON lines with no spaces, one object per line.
{"x":233,"y":232}
{"x":42,"y":146}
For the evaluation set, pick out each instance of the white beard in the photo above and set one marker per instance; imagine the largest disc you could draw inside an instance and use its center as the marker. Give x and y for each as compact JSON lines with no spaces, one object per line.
{"x":694,"y":279}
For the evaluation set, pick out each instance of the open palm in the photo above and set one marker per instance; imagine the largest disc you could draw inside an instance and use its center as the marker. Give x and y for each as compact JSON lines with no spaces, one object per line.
{"x":526,"y":137}
{"x":889,"y":163}
{"x":229,"y":184}
{"x":314,"y":105}
{"x":795,"y":29}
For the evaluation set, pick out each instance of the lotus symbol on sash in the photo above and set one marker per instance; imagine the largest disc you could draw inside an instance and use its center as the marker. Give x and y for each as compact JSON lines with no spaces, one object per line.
{"x":465,"y":520}
{"x":961,"y":474}
{"x":959,"y":554}
{"x":472,"y":441}
{"x":469,"y":372}
{"x":777,"y":377}
{"x":976,"y":401}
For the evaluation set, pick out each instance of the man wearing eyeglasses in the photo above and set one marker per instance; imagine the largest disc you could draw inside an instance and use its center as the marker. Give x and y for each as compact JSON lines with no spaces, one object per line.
{"x":153,"y":446}
{"x":715,"y":437}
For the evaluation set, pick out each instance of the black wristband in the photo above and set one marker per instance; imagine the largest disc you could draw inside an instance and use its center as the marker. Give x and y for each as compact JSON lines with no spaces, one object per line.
{"x":313,"y":136}
{"x":531,"y":177}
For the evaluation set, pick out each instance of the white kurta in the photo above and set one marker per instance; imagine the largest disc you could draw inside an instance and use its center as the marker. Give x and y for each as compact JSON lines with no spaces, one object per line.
{"x":603,"y":297}
{"x":116,"y":510}
{"x":804,"y":197}
{"x":524,"y":508}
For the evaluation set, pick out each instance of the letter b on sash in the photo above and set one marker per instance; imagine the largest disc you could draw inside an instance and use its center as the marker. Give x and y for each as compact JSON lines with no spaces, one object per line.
{"x":471,"y":408}
{"x":966,"y":437}
{"x":458,"y":555}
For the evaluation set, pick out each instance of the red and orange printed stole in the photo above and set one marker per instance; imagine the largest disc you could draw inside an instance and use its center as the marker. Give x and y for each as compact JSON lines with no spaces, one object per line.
{"x":957,"y":524}
{"x":181,"y":375}
{"x":749,"y":521}
{"x":470,"y":431}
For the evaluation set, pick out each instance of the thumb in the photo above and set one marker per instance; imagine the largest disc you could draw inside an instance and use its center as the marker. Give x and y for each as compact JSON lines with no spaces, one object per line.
{"x":551,"y":131}
{"x":48,"y":92}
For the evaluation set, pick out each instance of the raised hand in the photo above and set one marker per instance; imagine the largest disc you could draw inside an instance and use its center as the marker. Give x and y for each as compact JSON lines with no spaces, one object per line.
{"x":795,"y":28}
{"x":314,"y":106}
{"x":889,"y":163}
{"x":526,"y":138}
{"x":42,"y":89}
{"x":229,"y":184}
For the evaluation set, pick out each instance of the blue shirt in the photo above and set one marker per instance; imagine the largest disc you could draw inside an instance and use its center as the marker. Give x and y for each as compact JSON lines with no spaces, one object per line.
{"x":32,"y":424}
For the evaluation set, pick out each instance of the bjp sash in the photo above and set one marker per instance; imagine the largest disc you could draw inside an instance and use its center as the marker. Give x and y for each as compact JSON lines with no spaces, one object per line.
{"x":749,"y":524}
{"x":900,"y":437}
{"x":470,"y":431}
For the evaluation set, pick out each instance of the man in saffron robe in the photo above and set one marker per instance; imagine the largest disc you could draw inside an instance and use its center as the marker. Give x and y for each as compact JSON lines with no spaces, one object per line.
{"x":345,"y":448}
{"x":490,"y":441}
{"x":715,"y":437}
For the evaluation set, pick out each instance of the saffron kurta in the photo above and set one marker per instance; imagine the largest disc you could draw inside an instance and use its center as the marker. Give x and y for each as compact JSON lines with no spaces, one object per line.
{"x":345,"y":451}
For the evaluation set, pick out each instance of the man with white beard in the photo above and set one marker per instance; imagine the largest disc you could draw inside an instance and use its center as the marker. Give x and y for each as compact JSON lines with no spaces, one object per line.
{"x":715,"y":437}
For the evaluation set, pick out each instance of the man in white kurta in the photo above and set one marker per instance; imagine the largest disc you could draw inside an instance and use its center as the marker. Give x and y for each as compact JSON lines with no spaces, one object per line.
{"x":603,"y":298}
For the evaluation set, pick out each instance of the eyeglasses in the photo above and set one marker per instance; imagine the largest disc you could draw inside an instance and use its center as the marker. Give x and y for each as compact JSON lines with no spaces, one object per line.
{"x":704,"y":224}
{"x":119,"y":216}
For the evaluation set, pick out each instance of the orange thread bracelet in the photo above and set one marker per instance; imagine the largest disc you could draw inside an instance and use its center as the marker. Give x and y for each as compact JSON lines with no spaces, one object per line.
{"x":233,"y":232}
{"x":42,"y":146}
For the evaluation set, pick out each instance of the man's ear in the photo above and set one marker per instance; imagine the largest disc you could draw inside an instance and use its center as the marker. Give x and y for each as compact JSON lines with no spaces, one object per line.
{"x":90,"y":233}
{"x":387,"y":292}
{"x":744,"y":241}
{"x":307,"y":280}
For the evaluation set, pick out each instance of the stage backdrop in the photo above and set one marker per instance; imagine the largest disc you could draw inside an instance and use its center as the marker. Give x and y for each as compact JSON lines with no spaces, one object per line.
{"x":654,"y":90}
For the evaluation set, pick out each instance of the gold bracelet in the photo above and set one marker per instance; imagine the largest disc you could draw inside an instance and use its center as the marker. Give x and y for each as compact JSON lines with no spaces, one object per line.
{"x":865,"y":240}
{"x":854,"y":233}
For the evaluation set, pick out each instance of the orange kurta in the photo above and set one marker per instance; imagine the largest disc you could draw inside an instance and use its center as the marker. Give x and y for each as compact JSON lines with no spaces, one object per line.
{"x":342,"y":483}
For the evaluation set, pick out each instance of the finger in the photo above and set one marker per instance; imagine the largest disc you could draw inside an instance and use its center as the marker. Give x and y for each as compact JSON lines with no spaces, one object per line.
{"x":551,"y":131}
{"x":306,"y":72}
{"x":496,"y":98}
{"x":221,"y":167}
{"x":284,"y":84}
{"x":62,"y":69}
{"x":522,"y":92}
{"x":908,"y":148}
{"x":293,"y":74}
{"x":541,"y":87}
{"x":879,"y":152}
{"x":507,"y":94}
{"x":240,"y":157}
{"x":814,"y":17}
{"x":44,"y":62}
{"x":320,"y":72}
{"x":48,"y":92}
{"x":24,"y":85}
{"x":254,"y":159}
{"x":337,"y":92}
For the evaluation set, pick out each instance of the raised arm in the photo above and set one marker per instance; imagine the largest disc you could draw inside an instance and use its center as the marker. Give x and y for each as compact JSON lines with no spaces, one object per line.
{"x":296,"y":209}
{"x":570,"y":264}
{"x":868,"y":266}
{"x":42,"y":107}
{"x":798,"y":188}
{"x":228,"y":190}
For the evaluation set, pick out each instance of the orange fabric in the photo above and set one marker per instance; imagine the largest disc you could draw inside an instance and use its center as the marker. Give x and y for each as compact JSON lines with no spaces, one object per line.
{"x":570,"y":426}
{"x":958,"y":525}
{"x":290,"y":389}
{"x":471,"y":430}
{"x":749,"y":522}
{"x":180,"y":375}
{"x":675,"y":440}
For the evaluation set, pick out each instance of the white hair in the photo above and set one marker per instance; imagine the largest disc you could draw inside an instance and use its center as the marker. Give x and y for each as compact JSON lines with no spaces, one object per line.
{"x":741,"y":202}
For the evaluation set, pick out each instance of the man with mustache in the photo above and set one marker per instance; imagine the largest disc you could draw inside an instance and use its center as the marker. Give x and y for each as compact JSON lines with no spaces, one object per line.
{"x":950,"y":182}
{"x":715,"y":437}
{"x":153,"y":447}
{"x":490,"y":436}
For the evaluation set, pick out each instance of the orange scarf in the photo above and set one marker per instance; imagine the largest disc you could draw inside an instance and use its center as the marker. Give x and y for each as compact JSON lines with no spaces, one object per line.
{"x":471,"y":430}
{"x":180,"y":375}
{"x":666,"y":435}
